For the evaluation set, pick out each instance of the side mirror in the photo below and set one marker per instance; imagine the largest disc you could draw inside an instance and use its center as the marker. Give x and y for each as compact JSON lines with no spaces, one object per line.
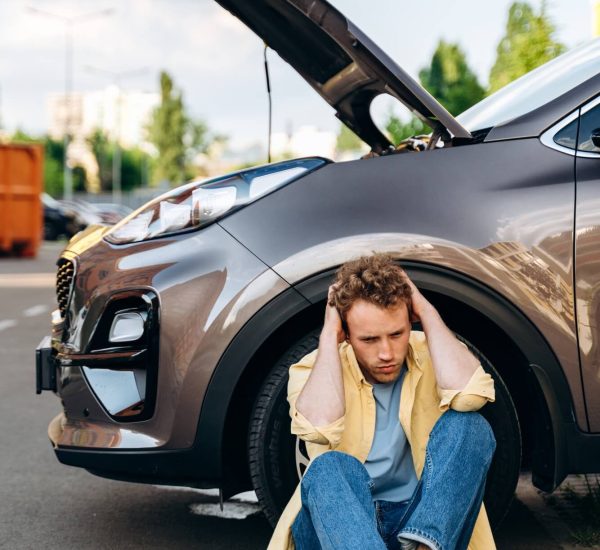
{"x":596,"y":137}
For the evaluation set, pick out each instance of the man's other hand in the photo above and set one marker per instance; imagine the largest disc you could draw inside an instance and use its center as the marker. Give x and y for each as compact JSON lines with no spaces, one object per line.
{"x":420,"y":305}
{"x":333,"y":321}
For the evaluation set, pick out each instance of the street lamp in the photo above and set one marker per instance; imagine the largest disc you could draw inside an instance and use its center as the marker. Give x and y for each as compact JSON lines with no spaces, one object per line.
{"x":117,"y":77}
{"x":69,"y":22}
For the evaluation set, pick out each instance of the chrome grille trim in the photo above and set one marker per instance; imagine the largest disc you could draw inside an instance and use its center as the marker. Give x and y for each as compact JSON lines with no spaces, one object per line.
{"x":65,"y":277}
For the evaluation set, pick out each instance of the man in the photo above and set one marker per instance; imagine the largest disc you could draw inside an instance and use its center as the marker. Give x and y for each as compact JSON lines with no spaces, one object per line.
{"x":408,"y":456}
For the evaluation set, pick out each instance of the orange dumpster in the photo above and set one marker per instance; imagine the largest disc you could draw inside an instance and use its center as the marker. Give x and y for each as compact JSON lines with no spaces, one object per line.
{"x":21,"y":213}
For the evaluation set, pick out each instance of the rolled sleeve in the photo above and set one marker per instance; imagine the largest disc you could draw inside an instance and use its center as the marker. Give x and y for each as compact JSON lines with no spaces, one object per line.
{"x":478,"y":391}
{"x":322,"y":435}
{"x":329,"y":434}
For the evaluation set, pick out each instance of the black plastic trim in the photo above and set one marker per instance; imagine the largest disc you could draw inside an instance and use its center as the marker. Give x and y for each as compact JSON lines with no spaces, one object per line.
{"x":141,"y":466}
{"x":45,"y":367}
{"x":140,"y":300}
{"x":210,"y":431}
{"x":142,"y":353}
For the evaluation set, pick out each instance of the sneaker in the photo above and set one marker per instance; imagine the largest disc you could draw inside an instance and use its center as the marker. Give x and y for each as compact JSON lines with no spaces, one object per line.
{"x":407,"y":544}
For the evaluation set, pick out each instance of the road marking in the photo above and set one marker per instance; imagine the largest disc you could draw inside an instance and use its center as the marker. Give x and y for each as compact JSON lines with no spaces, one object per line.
{"x":247,"y":496}
{"x":35,"y":310}
{"x":27,"y":280}
{"x":7,"y":323}
{"x":204,"y":492}
{"x":231,"y":510}
{"x":239,"y":506}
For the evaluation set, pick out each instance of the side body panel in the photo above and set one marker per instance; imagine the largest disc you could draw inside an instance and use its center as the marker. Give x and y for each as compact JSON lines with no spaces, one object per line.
{"x":501,"y":213}
{"x":587,"y":268}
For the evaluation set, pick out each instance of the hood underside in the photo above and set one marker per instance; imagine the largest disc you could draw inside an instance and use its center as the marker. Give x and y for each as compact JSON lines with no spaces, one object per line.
{"x":341,"y":63}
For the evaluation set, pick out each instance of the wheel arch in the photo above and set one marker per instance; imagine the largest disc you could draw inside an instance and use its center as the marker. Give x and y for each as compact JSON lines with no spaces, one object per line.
{"x":543,"y":400}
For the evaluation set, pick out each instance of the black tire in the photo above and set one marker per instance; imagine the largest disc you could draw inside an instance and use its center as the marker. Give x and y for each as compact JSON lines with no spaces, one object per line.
{"x":503,"y":474}
{"x":273,"y":450}
{"x":271,"y":446}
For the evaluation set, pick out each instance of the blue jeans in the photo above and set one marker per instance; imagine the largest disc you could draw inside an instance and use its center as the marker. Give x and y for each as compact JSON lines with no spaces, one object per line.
{"x":338,"y":510}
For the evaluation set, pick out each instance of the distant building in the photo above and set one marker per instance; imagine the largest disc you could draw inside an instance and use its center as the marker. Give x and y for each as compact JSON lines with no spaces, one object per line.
{"x":120,"y":115}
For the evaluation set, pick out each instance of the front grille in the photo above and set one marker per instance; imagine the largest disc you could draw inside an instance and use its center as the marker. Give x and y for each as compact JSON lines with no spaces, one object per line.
{"x":64,"y":284}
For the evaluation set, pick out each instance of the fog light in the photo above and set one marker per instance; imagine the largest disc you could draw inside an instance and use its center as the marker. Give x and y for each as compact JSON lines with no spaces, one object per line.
{"x":126,"y":327}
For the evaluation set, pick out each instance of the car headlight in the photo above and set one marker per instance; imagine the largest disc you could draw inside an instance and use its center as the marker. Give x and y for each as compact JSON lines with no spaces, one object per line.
{"x":199,"y":203}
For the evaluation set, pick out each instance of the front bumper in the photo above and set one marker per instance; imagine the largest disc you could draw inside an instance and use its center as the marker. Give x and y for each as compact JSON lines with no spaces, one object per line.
{"x":206,"y":287}
{"x":157,"y":466}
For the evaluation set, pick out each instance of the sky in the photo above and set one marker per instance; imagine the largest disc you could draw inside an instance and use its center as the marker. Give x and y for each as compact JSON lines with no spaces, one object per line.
{"x":218,"y":63}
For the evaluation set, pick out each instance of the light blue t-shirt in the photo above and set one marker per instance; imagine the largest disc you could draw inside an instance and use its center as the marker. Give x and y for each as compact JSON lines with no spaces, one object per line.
{"x":390,"y":462}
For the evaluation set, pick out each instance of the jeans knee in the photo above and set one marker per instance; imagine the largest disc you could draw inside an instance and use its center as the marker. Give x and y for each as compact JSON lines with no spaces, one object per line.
{"x":483,"y":433}
{"x":332,"y":464}
{"x":471,"y":428}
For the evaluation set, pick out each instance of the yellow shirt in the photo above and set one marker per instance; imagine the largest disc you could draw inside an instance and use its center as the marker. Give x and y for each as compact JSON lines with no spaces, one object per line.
{"x":421,"y":404}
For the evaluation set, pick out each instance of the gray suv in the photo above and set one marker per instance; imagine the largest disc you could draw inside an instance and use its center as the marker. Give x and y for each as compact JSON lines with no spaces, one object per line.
{"x":175,"y":328}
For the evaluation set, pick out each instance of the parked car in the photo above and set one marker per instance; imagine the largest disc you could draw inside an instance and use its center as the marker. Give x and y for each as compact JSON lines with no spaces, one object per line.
{"x":58,"y":221}
{"x":175,"y":327}
{"x":83,"y":212}
{"x":110,"y":212}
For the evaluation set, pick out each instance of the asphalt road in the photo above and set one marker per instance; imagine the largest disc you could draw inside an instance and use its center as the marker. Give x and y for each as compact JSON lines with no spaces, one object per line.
{"x":47,"y":505}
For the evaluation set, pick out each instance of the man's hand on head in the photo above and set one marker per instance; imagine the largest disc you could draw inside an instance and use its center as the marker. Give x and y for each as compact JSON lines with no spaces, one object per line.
{"x":333,"y":320}
{"x":322,"y":400}
{"x":421,"y":307}
{"x":452,"y":362}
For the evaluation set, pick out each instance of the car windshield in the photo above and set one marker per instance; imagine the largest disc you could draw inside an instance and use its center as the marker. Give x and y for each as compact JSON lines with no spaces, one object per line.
{"x":535,"y":88}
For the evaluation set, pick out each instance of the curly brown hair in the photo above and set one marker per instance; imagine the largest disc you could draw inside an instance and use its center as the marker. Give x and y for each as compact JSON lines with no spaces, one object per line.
{"x":375,"y":279}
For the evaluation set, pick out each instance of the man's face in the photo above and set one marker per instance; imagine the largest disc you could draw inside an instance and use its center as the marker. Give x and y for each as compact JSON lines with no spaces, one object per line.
{"x":379,"y":337}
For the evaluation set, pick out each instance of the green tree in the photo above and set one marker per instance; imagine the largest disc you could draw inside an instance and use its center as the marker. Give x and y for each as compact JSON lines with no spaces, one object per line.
{"x":100,"y":146}
{"x":528,"y":43}
{"x":134,"y":163}
{"x":397,"y":129}
{"x":176,"y":136}
{"x":54,"y":172}
{"x":450,"y":80}
{"x":167,"y":132}
{"x":79,"y":176}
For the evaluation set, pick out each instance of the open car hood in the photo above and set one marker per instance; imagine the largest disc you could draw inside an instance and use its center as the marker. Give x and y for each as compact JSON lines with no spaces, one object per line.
{"x":341,"y":63}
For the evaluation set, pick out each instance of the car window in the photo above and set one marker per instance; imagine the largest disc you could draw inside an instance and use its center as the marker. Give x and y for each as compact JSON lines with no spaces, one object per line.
{"x":589,"y":124}
{"x":567,"y":137}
